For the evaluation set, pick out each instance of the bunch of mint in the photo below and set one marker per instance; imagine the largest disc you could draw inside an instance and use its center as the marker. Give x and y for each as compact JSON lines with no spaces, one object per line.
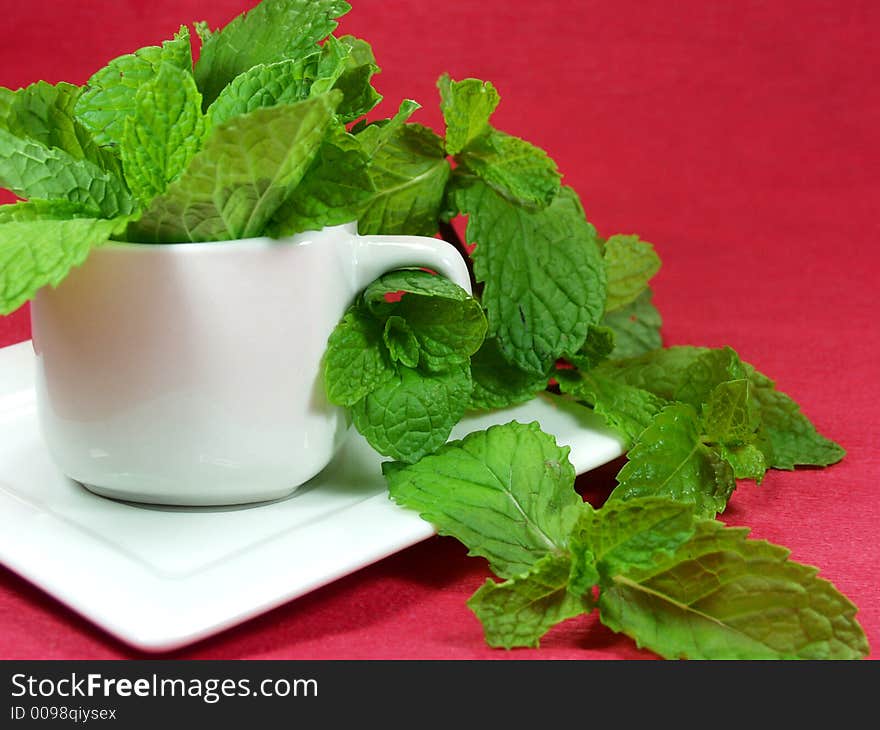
{"x":678,"y":583}
{"x":249,"y":141}
{"x":267,"y":134}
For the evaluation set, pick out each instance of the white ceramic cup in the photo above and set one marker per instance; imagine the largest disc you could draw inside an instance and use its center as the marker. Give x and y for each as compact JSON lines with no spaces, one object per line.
{"x":190,"y":374}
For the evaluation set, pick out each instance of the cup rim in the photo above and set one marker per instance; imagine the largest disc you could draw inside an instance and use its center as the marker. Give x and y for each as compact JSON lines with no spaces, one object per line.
{"x":253,"y":242}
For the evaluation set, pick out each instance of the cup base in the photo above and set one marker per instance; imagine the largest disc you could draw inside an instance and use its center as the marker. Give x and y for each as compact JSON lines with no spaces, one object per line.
{"x":189,"y":500}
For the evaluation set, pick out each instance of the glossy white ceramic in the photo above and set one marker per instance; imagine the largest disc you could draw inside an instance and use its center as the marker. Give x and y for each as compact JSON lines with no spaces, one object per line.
{"x":162,"y":577}
{"x":189,"y":374}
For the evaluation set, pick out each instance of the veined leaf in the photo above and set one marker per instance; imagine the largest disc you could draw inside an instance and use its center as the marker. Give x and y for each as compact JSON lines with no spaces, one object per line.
{"x":275,"y":30}
{"x":636,"y":534}
{"x":669,"y":460}
{"x":356,"y":363}
{"x":506,"y":493}
{"x":497,"y":383}
{"x":636,"y":327}
{"x":447,"y":324}
{"x":282,"y":82}
{"x":413,"y":414}
{"x":163,"y":134}
{"x":730,"y":415}
{"x":359,"y":67}
{"x":513,"y":168}
{"x":721,"y":596}
{"x":521,"y":610}
{"x":109,"y":95}
{"x":543,"y":274}
{"x":787,"y":436}
{"x":793,"y":439}
{"x":45,"y":114}
{"x":372,"y":136}
{"x":466,"y":106}
{"x":630,"y":263}
{"x":40,"y":252}
{"x":409,"y":173}
{"x":334,"y":190}
{"x":31,"y":170}
{"x":245,"y":170}
{"x":625,"y":408}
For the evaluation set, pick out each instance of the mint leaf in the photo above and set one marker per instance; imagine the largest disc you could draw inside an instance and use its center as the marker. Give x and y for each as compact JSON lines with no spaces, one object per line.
{"x":274,"y":30}
{"x":636,"y":534}
{"x":372,"y":136}
{"x":334,"y":190}
{"x":669,"y":460}
{"x":31,"y":170}
{"x":513,"y":168}
{"x":160,"y":138}
{"x":787,"y":436}
{"x":40,"y":252}
{"x":793,"y":440}
{"x":597,"y":347}
{"x":413,"y":414}
{"x":629,"y":263}
{"x":636,"y":327}
{"x":355,"y":363}
{"x":466,"y":106}
{"x":109,"y":95}
{"x":747,"y":461}
{"x":659,"y":371}
{"x":246,"y":169}
{"x":721,"y":596}
{"x":284,"y":82}
{"x":497,"y":383}
{"x":409,"y":173}
{"x":711,"y":368}
{"x":402,"y":344}
{"x":730,"y":414}
{"x":358,"y":94}
{"x":506,"y":493}
{"x":45,"y":114}
{"x":543,"y":274}
{"x":520,"y":611}
{"x":625,"y":408}
{"x":448,"y":324}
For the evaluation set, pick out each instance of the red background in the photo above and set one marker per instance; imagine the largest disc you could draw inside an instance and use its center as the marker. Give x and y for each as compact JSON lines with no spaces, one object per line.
{"x":739,"y":137}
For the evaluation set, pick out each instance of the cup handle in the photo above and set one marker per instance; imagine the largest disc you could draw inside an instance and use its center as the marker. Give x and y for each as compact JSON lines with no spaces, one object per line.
{"x":374,"y":256}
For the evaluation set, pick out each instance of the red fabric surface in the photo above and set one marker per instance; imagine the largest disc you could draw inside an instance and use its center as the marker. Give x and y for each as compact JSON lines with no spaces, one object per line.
{"x":739,"y":138}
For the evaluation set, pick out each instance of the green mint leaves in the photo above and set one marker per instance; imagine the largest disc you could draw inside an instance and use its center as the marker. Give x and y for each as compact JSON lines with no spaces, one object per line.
{"x":512,"y":167}
{"x":697,"y":420}
{"x":400,"y":360}
{"x":678,"y":584}
{"x":723,"y":596}
{"x":39,"y":250}
{"x":275,"y":30}
{"x":690,"y":375}
{"x":629,"y":264}
{"x":506,"y":493}
{"x":543,"y":274}
{"x":244,"y":172}
{"x":409,"y":173}
{"x":109,"y":97}
{"x":160,"y":138}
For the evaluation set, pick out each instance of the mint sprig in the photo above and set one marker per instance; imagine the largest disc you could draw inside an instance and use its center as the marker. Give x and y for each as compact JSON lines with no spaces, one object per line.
{"x":680,"y":585}
{"x":400,"y":360}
